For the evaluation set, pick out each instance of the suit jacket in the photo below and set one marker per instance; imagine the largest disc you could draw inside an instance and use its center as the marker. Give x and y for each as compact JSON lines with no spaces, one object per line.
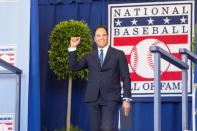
{"x":106,"y":79}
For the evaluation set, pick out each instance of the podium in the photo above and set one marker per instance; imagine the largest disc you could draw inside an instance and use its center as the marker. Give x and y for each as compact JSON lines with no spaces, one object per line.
{"x":10,"y":93}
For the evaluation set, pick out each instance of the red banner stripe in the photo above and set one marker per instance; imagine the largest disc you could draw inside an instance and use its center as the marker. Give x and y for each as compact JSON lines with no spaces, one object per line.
{"x":6,"y":123}
{"x":177,"y":55}
{"x":128,"y":57}
{"x":167,"y":39}
{"x":10,"y":54}
{"x":165,"y":76}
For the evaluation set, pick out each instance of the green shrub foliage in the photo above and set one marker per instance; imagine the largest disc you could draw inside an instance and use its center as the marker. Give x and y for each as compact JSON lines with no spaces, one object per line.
{"x":194,"y":40}
{"x":59,"y":44}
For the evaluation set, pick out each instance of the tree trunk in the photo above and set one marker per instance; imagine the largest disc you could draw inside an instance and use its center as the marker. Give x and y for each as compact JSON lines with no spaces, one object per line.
{"x":69,"y":104}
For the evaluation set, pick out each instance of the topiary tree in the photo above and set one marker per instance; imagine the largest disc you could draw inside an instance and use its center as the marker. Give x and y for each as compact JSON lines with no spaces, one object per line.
{"x":58,"y":53}
{"x":194,"y":46}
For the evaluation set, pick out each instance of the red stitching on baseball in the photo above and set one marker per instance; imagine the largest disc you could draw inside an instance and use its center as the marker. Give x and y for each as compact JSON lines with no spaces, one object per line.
{"x":135,"y":57}
{"x":150,"y":56}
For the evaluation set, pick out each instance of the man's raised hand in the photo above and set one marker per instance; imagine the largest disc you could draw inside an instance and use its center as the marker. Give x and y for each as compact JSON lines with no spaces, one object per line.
{"x":74,"y":41}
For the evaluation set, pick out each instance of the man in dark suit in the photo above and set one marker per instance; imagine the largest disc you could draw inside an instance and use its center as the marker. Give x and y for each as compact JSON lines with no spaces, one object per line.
{"x":107,"y":67}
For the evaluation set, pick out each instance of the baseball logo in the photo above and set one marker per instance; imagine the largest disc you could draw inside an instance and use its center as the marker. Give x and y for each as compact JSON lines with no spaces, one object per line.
{"x":142,"y":59}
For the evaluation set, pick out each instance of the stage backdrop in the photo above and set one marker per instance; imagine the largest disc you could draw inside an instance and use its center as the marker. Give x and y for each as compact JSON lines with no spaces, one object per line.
{"x":134,"y":27}
{"x":54,"y":92}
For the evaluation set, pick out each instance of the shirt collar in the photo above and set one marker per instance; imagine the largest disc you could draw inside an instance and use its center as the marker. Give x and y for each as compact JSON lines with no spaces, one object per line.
{"x":104,"y":49}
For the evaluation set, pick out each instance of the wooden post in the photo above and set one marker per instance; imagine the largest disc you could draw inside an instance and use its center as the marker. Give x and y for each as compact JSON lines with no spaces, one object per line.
{"x":68,"y":116}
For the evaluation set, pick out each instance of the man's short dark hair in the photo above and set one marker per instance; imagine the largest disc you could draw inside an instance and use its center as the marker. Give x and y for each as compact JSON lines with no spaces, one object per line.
{"x":98,"y":27}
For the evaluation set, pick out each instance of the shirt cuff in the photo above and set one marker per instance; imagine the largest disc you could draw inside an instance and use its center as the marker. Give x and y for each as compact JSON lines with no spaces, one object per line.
{"x":127,"y":99}
{"x":70,"y":49}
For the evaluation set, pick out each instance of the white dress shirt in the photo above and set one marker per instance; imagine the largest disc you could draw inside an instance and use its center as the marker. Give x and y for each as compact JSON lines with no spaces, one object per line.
{"x":104,"y":51}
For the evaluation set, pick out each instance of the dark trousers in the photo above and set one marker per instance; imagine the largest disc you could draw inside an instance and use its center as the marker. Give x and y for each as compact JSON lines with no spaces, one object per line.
{"x":102,"y":115}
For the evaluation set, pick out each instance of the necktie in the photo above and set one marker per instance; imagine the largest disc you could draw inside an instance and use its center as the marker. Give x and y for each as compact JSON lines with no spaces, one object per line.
{"x":101,"y":57}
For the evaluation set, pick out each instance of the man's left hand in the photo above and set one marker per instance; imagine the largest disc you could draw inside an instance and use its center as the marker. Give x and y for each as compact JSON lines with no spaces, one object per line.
{"x":126,"y":107}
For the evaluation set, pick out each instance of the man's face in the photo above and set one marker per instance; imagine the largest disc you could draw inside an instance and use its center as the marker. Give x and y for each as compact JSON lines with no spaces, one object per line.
{"x":101,"y":37}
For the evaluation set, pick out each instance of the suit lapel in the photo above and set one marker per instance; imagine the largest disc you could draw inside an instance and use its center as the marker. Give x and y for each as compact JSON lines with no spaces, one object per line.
{"x":95,"y":54}
{"x":108,"y":56}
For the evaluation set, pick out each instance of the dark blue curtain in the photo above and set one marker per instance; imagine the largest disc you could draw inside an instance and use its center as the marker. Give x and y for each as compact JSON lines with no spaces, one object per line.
{"x":54,"y":92}
{"x":34,"y":122}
